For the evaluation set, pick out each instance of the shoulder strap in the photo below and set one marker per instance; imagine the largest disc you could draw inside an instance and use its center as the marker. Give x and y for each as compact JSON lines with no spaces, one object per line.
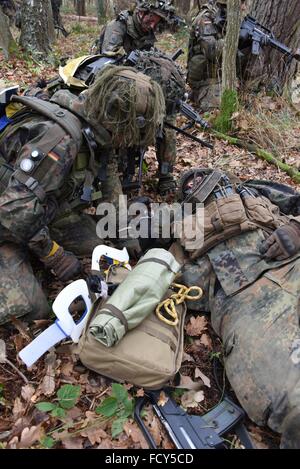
{"x":68,"y":121}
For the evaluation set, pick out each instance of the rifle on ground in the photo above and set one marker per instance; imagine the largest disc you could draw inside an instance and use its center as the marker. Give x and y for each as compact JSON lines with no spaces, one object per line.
{"x":261,"y":36}
{"x":191,"y":431}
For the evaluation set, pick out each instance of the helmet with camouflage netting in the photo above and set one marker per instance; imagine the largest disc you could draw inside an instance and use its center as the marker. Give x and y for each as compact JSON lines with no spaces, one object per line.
{"x":162,"y":69}
{"x":162,"y":8}
{"x":128,"y":104}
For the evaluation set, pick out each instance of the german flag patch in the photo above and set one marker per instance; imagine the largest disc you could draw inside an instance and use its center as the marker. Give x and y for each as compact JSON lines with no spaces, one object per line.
{"x":54,"y":157}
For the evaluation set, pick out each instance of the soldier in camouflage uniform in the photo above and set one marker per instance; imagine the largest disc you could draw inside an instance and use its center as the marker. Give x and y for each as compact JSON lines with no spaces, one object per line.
{"x":205,"y":56}
{"x":133,"y":30}
{"x":57,"y":159}
{"x":249,"y":270}
{"x":58,"y":24}
{"x":8,"y":7}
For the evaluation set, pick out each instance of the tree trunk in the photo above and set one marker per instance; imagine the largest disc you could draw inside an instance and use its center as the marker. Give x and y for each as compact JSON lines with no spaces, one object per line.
{"x":7,"y":42}
{"x":34,"y":29}
{"x":80,"y":8}
{"x":283,"y":19}
{"x":229,"y":101}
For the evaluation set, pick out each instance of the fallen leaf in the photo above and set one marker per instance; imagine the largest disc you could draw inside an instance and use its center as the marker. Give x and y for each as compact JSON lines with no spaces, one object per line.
{"x":135,"y":433}
{"x":205,"y":379}
{"x":22,"y":328}
{"x":191,"y":399}
{"x":187,"y":383}
{"x":163,"y":399}
{"x":206,"y":341}
{"x":73,"y":443}
{"x":156,"y":430}
{"x":196,"y":326}
{"x":140,"y":393}
{"x":187,"y":358}
{"x":47,"y":386}
{"x":29,"y":436}
{"x":27,"y":392}
{"x":18,"y":409}
{"x":95,"y":435}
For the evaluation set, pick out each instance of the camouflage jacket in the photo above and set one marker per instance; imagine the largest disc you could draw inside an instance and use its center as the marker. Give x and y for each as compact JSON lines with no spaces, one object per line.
{"x":124,"y":35}
{"x":236,"y":263}
{"x":44,"y":168}
{"x":206,"y":37}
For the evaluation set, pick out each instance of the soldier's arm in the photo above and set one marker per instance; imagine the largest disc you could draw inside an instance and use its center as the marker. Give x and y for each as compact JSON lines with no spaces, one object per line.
{"x":28,"y":203}
{"x":114,"y":37}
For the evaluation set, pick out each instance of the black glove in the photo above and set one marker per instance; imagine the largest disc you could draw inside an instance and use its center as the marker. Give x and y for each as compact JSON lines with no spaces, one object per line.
{"x":133,"y":247}
{"x":64,"y":264}
{"x":283,"y":243}
{"x":166,"y":185}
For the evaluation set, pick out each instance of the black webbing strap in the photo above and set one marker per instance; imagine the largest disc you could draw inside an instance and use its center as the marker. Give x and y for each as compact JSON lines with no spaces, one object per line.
{"x":32,"y":184}
{"x":157,"y":261}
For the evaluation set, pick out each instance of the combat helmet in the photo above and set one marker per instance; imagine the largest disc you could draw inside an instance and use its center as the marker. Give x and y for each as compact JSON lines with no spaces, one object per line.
{"x":162,"y":69}
{"x":128,"y":104}
{"x":162,"y":8}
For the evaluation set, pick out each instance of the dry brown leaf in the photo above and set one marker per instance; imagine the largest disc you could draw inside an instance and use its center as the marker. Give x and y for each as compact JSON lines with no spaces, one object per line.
{"x":191,"y":399}
{"x":67,"y":369}
{"x":187,"y":358}
{"x":131,"y":429}
{"x":106,"y":444}
{"x":140,"y":393}
{"x":95,"y":435}
{"x":187,"y":383}
{"x":18,"y":409}
{"x":163,"y":399}
{"x":27,"y":392}
{"x":29,"y":436}
{"x":196,"y":326}
{"x":47,"y":386}
{"x":205,"y":379}
{"x":156,"y":430}
{"x":73,"y":443}
{"x":206,"y":341}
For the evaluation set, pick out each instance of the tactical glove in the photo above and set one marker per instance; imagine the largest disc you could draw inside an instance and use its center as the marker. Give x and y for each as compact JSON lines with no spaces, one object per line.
{"x":64,"y":264}
{"x":283,"y":243}
{"x":166,"y":185}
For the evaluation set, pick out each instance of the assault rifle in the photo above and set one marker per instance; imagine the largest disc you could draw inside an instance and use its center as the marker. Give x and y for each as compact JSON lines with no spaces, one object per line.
{"x":191,"y":431}
{"x":255,"y":34}
{"x":260,"y":36}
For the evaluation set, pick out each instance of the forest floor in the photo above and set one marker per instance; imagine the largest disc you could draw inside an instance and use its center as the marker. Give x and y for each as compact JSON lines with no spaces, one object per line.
{"x":265,"y":120}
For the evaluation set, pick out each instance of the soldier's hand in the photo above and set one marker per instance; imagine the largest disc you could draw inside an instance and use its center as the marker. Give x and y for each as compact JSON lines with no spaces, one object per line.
{"x":283,"y":243}
{"x":64,"y":264}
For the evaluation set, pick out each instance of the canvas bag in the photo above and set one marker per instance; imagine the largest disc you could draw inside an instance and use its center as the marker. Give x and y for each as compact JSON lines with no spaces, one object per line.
{"x":149,"y":355}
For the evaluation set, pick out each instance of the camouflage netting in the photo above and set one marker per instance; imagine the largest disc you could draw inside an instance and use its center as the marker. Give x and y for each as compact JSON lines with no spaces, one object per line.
{"x":129,"y":104}
{"x":164,"y":71}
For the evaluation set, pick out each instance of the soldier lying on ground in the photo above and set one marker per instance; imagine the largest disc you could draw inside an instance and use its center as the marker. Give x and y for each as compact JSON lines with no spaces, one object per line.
{"x":58,"y":158}
{"x":249,"y":270}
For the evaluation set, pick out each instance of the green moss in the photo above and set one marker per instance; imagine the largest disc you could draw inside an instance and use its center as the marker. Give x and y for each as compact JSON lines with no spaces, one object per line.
{"x":229,"y":106}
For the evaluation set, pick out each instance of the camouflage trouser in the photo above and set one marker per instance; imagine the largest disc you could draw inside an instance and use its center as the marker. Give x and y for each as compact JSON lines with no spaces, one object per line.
{"x":260,"y":330}
{"x":208,"y":94}
{"x":20,"y":291}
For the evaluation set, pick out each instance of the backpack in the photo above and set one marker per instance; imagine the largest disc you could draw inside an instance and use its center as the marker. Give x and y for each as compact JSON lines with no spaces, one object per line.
{"x":150,"y":354}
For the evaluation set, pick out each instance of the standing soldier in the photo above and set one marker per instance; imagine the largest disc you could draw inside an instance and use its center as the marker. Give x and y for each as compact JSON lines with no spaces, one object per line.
{"x":205,"y":55}
{"x":58,"y":24}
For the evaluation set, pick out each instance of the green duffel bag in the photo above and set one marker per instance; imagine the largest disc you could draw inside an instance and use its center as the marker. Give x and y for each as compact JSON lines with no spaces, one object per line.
{"x":149,"y":354}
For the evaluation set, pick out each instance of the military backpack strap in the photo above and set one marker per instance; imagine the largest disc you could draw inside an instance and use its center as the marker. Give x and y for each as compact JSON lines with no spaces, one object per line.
{"x":64,"y":118}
